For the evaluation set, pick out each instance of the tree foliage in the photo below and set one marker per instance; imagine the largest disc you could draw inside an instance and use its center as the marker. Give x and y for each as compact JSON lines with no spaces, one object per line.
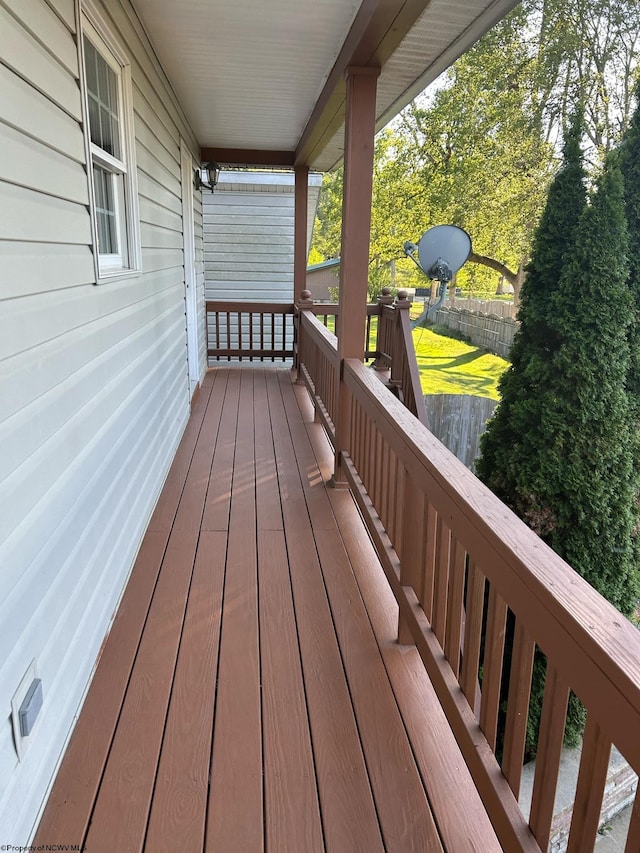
{"x":515,"y":463}
{"x":585,"y":51}
{"x":561,"y":447}
{"x":630,"y":167}
{"x":480,"y":148}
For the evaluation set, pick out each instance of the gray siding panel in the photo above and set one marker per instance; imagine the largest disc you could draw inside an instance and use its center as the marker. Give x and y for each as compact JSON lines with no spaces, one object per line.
{"x":30,"y":163}
{"x":34,"y":114}
{"x":93,"y":379}
{"x":26,"y":55}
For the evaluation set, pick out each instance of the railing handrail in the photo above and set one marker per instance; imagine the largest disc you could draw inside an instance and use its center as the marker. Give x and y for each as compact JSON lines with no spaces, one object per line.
{"x":226,"y":306}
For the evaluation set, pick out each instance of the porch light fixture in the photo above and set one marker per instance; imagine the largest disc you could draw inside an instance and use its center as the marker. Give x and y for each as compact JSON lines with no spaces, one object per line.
{"x":207,"y":176}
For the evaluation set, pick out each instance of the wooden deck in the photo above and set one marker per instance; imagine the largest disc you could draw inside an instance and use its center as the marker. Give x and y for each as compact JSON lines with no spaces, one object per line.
{"x":251,"y":694}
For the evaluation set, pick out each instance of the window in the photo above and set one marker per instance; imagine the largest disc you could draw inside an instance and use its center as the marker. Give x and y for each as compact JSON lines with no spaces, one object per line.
{"x":110,"y":149}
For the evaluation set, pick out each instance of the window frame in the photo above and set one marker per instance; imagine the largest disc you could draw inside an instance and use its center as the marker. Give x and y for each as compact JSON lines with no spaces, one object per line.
{"x":128,"y":260}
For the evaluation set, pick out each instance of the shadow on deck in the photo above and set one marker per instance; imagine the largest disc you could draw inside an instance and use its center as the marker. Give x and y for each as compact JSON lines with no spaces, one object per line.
{"x":251,"y":694}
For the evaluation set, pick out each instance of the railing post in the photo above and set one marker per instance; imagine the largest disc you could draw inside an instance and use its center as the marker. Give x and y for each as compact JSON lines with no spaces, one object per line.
{"x":301,"y":201}
{"x":356,"y":234}
{"x":305,"y":303}
{"x":402,"y":304}
{"x":385,"y":298}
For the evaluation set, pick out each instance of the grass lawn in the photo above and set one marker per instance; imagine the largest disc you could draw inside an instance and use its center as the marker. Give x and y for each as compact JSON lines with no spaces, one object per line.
{"x":450,"y":366}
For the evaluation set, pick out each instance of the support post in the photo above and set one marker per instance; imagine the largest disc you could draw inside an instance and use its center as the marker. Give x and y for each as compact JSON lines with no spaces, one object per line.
{"x":304,"y":303}
{"x":300,"y":228}
{"x":356,"y":231}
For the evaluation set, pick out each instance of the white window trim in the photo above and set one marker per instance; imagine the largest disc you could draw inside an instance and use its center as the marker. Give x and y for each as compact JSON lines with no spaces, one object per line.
{"x":110,"y":267}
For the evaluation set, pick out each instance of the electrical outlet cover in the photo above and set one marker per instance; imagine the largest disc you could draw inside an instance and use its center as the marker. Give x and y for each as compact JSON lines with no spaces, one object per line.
{"x":22,"y":743}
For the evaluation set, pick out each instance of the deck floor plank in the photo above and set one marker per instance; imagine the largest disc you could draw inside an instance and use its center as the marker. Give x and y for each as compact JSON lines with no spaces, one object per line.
{"x":407,"y":825}
{"x":442,"y":766}
{"x":268,"y":509}
{"x":235,"y":816}
{"x":292,"y":809}
{"x":165,"y":511}
{"x":178,"y":813}
{"x":251,"y":695}
{"x":349,"y":816}
{"x":68,"y":810}
{"x":119,"y":820}
{"x":218,"y":503}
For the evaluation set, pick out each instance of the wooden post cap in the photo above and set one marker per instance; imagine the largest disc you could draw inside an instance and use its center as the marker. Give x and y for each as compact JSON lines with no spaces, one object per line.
{"x":385,"y":297}
{"x":402,"y":300}
{"x":305,"y":300}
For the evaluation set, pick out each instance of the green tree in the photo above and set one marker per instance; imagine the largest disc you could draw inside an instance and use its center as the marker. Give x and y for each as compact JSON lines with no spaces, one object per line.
{"x":577,"y":485}
{"x":476,"y":155}
{"x":514,"y":461}
{"x":479,"y":148}
{"x":592,"y":522}
{"x":584,"y":51}
{"x":517,"y":461}
{"x":630,"y":166}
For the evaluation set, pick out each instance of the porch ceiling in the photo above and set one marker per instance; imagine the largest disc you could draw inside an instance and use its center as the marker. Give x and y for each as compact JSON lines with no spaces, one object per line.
{"x":269,"y":78}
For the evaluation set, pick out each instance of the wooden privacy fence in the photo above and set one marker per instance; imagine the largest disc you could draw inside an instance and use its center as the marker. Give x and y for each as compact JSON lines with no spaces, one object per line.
{"x":458,"y":420}
{"x":458,"y":561}
{"x":498,"y":307}
{"x":488,"y":331}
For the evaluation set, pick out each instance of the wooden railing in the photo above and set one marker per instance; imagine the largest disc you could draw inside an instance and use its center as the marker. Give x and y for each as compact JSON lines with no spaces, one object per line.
{"x":318,"y":364}
{"x":458,"y":561}
{"x":266,"y":331}
{"x":260,"y":331}
{"x":388,"y":343}
{"x":395,"y":349}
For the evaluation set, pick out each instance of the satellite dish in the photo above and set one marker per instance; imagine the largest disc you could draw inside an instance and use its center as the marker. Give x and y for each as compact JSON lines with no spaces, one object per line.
{"x":442,"y":250}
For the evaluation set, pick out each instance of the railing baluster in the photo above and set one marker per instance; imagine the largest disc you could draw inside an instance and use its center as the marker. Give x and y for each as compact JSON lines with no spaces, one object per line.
{"x":366,"y":449}
{"x":474,"y":609}
{"x":400,"y":475}
{"x":518,"y":706}
{"x":411,"y":554}
{"x":389,"y":502}
{"x":384,"y":484}
{"x":441,"y":585}
{"x":355,"y":449}
{"x":372,"y":488}
{"x":592,"y":778}
{"x":431,"y":529}
{"x":454,"y":606}
{"x":273,"y":335}
{"x":554,"y":712}
{"x":492,"y":666}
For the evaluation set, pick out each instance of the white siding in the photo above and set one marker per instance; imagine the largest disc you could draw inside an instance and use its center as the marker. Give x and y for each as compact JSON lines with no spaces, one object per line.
{"x":248,"y":235}
{"x":93,"y":379}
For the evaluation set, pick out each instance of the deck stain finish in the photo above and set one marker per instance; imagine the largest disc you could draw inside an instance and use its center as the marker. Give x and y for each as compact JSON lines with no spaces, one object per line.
{"x":247,"y":698}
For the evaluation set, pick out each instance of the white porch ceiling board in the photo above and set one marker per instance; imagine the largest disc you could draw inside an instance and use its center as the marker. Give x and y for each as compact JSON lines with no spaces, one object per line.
{"x":247,"y":74}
